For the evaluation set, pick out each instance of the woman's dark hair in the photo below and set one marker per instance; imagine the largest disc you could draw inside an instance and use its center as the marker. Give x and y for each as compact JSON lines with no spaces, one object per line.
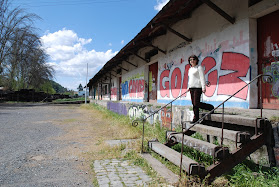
{"x":194,"y":57}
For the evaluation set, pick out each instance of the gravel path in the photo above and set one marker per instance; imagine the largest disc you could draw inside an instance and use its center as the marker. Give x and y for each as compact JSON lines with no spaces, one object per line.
{"x":29,"y":153}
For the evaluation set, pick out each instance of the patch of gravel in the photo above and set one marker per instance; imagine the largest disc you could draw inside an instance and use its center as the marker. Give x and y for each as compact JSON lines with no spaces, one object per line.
{"x":29,"y":153}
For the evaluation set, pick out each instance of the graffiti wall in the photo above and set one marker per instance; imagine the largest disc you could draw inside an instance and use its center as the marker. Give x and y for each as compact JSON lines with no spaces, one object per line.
{"x":133,"y":85}
{"x":273,"y":71}
{"x":143,"y":111}
{"x":119,"y":108}
{"x":113,"y":89}
{"x":225,"y":59}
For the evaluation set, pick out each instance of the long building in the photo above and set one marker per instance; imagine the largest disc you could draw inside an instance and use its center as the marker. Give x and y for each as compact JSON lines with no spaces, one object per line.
{"x":235,"y":40}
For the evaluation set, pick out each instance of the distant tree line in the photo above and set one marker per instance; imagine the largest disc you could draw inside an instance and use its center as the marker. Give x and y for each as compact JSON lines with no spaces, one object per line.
{"x":23,"y":62}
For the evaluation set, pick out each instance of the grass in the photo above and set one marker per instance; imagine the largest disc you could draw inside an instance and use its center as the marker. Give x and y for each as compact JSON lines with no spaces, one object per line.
{"x":274,"y":119}
{"x":246,"y":173}
{"x":249,"y":174}
{"x":69,"y":99}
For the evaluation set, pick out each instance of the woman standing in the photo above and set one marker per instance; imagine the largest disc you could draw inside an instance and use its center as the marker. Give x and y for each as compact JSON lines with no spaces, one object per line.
{"x":196,"y":86}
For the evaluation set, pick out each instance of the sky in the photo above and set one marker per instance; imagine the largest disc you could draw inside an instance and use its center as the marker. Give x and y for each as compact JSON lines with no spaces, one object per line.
{"x":75,"y":33}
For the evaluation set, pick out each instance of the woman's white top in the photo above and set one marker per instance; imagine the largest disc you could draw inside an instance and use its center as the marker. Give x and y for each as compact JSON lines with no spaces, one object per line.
{"x":196,"y":77}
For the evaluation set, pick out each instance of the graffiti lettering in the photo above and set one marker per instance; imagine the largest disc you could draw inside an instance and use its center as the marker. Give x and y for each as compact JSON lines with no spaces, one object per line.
{"x":228,"y":84}
{"x":175,"y":82}
{"x":209,"y":63}
{"x":135,"y":88}
{"x":113,"y":92}
{"x":273,"y":71}
{"x":164,"y":83}
{"x":166,"y":118}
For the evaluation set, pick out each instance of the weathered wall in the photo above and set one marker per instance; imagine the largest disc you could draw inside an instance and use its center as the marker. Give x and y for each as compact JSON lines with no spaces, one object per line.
{"x":133,"y":85}
{"x":169,"y":118}
{"x":228,"y":53}
{"x":225,"y":58}
{"x":113,"y":89}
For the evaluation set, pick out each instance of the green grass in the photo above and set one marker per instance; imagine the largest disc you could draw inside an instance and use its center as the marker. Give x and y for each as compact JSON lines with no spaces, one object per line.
{"x":70,"y":99}
{"x":274,"y":119}
{"x":249,"y":174}
{"x":244,"y":174}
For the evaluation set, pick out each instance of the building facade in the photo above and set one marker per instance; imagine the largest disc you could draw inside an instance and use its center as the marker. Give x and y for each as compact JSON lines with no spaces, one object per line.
{"x":235,"y":41}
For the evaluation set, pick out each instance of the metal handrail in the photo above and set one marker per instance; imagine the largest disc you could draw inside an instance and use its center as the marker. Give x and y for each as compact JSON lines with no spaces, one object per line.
{"x":210,"y":112}
{"x":135,"y":122}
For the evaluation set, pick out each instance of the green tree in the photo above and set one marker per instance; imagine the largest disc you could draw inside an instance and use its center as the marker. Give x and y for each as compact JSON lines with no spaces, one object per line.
{"x":22,"y":60}
{"x":80,"y":88}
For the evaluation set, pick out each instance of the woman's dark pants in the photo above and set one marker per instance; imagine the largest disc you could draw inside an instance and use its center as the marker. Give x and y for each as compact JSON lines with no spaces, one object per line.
{"x":196,"y":101}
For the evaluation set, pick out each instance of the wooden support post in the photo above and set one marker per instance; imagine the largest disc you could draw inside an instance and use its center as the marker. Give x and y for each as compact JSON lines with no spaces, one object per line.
{"x":131,"y":63}
{"x":219,"y":11}
{"x":177,"y":33}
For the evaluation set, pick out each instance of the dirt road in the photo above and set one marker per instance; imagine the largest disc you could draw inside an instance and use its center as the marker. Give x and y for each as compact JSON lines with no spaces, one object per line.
{"x":45,"y":145}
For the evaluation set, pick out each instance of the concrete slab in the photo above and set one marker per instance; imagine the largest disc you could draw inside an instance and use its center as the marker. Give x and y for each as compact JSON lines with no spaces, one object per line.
{"x":205,"y":147}
{"x":190,"y":166}
{"x":161,"y":169}
{"x":214,"y":131}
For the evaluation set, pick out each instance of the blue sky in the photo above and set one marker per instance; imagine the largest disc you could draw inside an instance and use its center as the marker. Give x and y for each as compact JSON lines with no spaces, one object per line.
{"x":77,"y":32}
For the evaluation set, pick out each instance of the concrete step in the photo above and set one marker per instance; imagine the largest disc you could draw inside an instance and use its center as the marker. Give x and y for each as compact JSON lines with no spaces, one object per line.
{"x":205,"y":147}
{"x":235,"y":119}
{"x":190,"y":166}
{"x":237,"y":136}
{"x":161,"y":169}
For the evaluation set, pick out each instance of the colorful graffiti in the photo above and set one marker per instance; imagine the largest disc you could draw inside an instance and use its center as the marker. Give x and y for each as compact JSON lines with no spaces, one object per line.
{"x":133,"y":88}
{"x":273,"y":71}
{"x":113,"y":92}
{"x":142,"y":111}
{"x":225,"y":79}
{"x":119,"y":108}
{"x":166,"y":118}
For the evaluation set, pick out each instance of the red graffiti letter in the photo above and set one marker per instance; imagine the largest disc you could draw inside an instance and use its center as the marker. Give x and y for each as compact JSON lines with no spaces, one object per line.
{"x":231,"y":83}
{"x":175,"y":82}
{"x":165,"y":86}
{"x":209,"y":63}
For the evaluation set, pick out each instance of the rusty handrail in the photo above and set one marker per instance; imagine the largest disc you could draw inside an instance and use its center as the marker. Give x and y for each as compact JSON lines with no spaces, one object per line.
{"x":270,"y":79}
{"x":210,"y":112}
{"x":136,"y":121}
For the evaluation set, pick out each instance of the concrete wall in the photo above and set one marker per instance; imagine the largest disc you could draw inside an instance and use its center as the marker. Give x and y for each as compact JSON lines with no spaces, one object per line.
{"x":133,"y":85}
{"x":167,"y":117}
{"x":171,"y":119}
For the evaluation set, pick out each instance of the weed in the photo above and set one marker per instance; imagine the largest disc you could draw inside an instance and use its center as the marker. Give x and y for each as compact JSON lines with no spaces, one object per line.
{"x":69,"y":99}
{"x":274,"y":118}
{"x":245,"y":174}
{"x":249,"y":174}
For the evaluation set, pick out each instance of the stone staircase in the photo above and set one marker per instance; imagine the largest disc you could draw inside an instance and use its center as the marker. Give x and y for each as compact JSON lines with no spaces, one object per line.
{"x":241,"y":135}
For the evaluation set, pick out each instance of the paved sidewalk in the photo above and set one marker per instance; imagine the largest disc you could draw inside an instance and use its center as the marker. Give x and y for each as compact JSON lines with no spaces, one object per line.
{"x":118,"y":172}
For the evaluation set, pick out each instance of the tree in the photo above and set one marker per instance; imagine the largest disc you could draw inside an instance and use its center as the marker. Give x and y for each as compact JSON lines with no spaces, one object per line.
{"x":80,"y":88}
{"x":23,"y":63}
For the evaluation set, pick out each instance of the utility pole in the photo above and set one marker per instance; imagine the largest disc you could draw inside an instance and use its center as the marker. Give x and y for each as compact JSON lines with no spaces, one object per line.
{"x":86,"y":86}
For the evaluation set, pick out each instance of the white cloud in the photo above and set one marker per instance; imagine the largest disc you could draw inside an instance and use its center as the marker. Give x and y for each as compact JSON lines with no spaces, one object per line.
{"x":160,"y":4}
{"x":122,"y":42}
{"x":69,"y":57}
{"x":110,"y":44}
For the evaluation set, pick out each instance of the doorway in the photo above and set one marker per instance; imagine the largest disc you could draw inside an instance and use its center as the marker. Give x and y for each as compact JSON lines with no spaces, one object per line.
{"x":268,"y":58}
{"x":152,"y":82}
